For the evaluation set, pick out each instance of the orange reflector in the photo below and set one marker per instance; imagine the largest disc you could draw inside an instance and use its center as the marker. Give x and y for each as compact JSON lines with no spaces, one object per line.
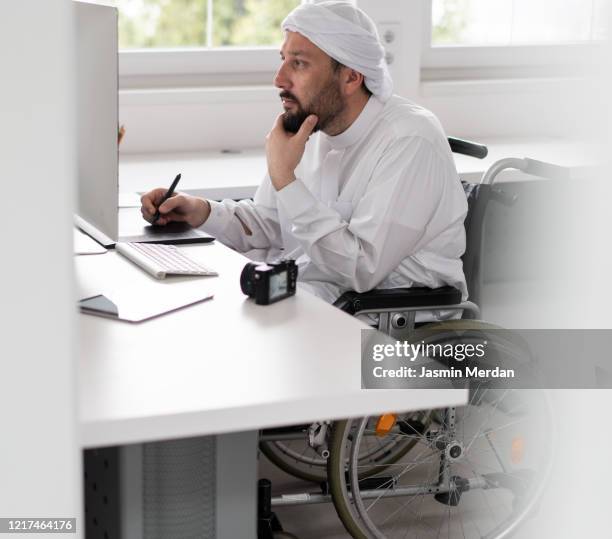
{"x":518,"y":450}
{"x":385,"y":424}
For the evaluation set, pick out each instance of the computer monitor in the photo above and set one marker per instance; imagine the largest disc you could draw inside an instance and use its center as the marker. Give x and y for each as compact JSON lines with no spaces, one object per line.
{"x":98,"y":212}
{"x":96,"y":49}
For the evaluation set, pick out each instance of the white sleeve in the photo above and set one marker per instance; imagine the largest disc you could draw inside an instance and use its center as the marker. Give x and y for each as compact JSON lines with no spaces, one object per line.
{"x":228,"y":219}
{"x":408,"y":201}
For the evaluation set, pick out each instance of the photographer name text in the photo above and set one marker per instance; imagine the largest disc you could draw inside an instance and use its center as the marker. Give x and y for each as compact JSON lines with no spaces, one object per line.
{"x":460,"y":354}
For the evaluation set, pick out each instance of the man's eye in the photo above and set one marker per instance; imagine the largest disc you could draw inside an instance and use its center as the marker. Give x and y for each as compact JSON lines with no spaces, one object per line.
{"x":298,"y":63}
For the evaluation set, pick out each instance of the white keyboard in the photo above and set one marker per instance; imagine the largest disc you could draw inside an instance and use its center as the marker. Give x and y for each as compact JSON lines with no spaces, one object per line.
{"x":161,"y":260}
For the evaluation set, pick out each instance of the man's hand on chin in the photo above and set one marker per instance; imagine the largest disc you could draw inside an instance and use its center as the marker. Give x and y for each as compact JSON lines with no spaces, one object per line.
{"x":284,"y":150}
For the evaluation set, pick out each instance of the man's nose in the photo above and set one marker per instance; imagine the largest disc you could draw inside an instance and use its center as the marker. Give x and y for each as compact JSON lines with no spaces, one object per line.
{"x":280,"y":78}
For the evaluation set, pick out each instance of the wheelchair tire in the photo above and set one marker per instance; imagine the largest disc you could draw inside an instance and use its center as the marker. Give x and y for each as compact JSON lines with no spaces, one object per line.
{"x":303,"y":462}
{"x":476,"y":481}
{"x":276,"y":453}
{"x":495,"y":455}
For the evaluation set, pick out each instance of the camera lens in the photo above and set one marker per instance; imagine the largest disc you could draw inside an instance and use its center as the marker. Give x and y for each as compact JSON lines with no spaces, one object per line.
{"x":247,"y":281}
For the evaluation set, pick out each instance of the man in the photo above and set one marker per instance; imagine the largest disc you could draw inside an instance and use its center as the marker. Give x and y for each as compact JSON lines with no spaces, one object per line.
{"x":361,"y":187}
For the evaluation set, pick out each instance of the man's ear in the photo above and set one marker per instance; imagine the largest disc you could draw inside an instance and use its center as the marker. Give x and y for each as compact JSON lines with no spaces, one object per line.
{"x":353,"y":81}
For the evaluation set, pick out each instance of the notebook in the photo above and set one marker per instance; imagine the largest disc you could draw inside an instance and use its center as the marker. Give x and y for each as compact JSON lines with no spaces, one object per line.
{"x":134,"y":306}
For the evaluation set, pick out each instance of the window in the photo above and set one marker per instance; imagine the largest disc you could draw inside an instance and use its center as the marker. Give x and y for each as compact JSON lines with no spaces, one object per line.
{"x":182,"y":43}
{"x":516,"y":22}
{"x":201,"y":23}
{"x":499,"y":39}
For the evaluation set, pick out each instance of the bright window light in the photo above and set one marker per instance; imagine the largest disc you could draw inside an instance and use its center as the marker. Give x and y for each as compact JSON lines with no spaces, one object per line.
{"x":201,"y":23}
{"x":517,"y":22}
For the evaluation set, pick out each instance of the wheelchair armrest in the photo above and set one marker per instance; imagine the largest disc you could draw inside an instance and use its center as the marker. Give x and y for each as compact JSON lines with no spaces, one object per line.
{"x":398,"y":298}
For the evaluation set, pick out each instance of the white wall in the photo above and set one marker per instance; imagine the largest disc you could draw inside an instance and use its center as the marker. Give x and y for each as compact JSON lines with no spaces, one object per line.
{"x":39,"y":456}
{"x":203,"y":115}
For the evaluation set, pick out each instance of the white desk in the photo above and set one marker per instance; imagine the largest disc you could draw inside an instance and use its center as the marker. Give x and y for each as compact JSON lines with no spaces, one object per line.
{"x":224,"y":365}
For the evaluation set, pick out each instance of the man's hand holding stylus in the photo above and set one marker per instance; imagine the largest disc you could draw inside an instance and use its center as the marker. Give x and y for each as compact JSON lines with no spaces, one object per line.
{"x":179,"y":207}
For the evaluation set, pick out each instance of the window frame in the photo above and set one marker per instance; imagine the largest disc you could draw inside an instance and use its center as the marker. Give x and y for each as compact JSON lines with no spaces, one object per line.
{"x":198,"y":61}
{"x":253,"y":65}
{"x":500,"y":61}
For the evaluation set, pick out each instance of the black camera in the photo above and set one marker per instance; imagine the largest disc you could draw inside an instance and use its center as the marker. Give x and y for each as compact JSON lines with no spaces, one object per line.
{"x":268,"y":283}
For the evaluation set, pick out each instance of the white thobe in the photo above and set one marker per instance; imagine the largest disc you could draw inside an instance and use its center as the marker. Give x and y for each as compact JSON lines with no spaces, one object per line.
{"x":377,"y":206}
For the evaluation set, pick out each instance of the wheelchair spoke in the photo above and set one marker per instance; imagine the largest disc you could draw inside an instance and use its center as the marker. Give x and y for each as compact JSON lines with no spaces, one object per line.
{"x":484,"y":422}
{"x":402,"y":464}
{"x":420,"y":516}
{"x":498,"y":445}
{"x":400,"y":435}
{"x":484,"y":496}
{"x":413,"y":464}
{"x":405,"y":506}
{"x":502,"y":427}
{"x":390,"y":482}
{"x":462,"y":525}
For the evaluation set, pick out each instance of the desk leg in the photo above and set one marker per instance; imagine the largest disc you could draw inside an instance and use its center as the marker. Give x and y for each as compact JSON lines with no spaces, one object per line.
{"x":202,"y":487}
{"x":236,"y":500}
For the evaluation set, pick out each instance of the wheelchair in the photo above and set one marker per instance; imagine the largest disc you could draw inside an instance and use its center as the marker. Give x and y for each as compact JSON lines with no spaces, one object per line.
{"x":471,"y":471}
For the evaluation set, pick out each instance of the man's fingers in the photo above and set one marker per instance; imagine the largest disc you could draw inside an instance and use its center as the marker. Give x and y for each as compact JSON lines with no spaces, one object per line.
{"x":146,"y":202}
{"x":278,"y":126}
{"x":151,"y":200}
{"x":278,"y":123}
{"x":150,"y":203}
{"x":306,"y":128}
{"x":173,"y":203}
{"x":170,"y":218}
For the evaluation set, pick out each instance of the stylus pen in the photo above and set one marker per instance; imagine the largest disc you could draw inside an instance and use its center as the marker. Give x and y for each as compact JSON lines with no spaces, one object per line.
{"x":168,"y":194}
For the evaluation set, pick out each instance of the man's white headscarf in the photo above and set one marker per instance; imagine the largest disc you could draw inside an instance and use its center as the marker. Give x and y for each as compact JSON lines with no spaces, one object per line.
{"x":349,"y":36}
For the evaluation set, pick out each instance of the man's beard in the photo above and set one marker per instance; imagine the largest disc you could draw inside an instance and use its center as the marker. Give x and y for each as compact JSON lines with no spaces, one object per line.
{"x":327,"y":105}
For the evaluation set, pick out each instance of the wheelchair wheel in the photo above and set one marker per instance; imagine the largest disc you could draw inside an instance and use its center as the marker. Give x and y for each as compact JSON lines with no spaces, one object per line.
{"x":477,"y":472}
{"x":294,"y":455}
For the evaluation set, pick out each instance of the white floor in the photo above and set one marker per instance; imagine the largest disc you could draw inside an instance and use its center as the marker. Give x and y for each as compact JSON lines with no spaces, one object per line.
{"x":319,"y":521}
